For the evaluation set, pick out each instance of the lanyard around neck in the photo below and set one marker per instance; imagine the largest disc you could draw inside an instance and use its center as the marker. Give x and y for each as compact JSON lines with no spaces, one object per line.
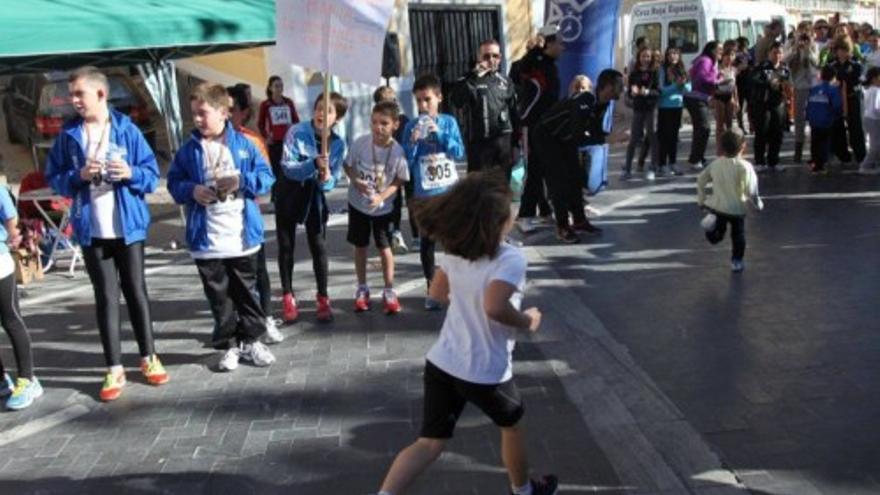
{"x":100,"y":140}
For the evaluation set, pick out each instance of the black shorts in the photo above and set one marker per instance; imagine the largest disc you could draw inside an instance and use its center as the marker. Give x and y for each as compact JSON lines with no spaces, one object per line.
{"x":360,"y":225}
{"x":446,"y":395}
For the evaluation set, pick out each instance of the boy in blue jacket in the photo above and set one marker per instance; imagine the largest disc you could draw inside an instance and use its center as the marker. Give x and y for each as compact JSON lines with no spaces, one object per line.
{"x":102,"y":161}
{"x":824,"y":110}
{"x":300,"y":199}
{"x":217,"y":175}
{"x":432,"y":143}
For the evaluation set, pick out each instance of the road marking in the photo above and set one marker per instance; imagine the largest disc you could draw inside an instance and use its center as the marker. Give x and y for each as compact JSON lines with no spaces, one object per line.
{"x":42,"y":424}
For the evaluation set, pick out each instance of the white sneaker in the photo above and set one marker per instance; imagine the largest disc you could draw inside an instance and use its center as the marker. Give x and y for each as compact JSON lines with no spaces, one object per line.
{"x":650,"y":176}
{"x":526,"y":225}
{"x":696,"y":166}
{"x":229,"y":360}
{"x":257,"y":353}
{"x":708,"y":222}
{"x":273,"y":334}
{"x":398,"y":244}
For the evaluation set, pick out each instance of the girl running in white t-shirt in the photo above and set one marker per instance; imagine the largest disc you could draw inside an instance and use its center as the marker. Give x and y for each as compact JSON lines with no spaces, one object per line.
{"x":481,"y":279}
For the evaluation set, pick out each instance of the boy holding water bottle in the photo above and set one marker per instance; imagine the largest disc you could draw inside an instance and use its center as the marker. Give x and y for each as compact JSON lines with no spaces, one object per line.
{"x":377,"y":168}
{"x":433,"y":144}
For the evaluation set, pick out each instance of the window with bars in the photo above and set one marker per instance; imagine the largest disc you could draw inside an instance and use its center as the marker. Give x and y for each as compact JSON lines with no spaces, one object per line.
{"x":446,"y":38}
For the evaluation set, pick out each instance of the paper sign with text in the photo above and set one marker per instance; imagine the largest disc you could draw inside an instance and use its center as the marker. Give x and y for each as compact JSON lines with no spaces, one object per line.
{"x":342,"y":37}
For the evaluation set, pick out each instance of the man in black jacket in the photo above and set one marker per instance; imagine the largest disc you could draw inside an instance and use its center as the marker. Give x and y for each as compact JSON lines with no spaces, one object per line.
{"x":537,"y":80}
{"x":565,"y":128}
{"x":488,"y":99}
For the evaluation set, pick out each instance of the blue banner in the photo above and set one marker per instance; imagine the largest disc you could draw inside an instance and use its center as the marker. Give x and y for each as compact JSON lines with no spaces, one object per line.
{"x":589,"y":30}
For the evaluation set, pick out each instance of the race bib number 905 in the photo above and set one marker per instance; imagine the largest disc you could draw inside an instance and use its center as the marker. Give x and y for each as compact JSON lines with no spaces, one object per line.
{"x":437,"y":172}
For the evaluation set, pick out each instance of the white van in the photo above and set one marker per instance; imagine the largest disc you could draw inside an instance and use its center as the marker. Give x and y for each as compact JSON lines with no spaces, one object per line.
{"x":690,"y":24}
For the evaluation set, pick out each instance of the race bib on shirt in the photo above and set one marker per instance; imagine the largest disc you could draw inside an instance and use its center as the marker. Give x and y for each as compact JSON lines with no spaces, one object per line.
{"x":437,"y":171}
{"x":280,"y":115}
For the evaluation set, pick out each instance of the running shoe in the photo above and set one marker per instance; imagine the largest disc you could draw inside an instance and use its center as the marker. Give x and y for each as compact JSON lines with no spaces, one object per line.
{"x":650,"y":176}
{"x":526,"y":225}
{"x":362,"y":300}
{"x":112,"y":387}
{"x":736,"y":266}
{"x":391,"y":302}
{"x":229,"y":360}
{"x":547,"y":485}
{"x":673,"y":169}
{"x":273,"y":333}
{"x":398,"y":244}
{"x":324,"y":312}
{"x":708,"y":222}
{"x":257,"y":353}
{"x":626,"y":176}
{"x":153,"y":371}
{"x":25,"y":393}
{"x":567,"y":235}
{"x":432,"y":304}
{"x":290,"y":311}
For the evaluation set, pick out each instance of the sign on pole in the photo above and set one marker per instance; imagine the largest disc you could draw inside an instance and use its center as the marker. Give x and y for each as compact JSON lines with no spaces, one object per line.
{"x":340,"y":37}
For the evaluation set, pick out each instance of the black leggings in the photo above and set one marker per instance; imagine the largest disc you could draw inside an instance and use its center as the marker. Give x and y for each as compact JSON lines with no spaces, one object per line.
{"x":285,"y":228}
{"x":113,"y":264}
{"x":668,"y":126}
{"x":737,"y":234}
{"x":263,"y":285}
{"x":10,"y":317}
{"x":426,"y":254}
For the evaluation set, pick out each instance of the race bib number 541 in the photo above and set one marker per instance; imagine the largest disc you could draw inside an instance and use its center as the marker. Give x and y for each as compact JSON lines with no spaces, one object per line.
{"x":437,"y":172}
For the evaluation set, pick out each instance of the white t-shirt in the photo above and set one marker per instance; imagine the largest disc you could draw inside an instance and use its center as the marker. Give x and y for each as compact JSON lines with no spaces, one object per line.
{"x":379,"y":167}
{"x":224,"y":219}
{"x":105,"y":221}
{"x":872,"y":103}
{"x":472,"y":347}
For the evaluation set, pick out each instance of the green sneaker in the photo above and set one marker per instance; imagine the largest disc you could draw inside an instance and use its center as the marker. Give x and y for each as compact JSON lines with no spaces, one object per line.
{"x":25,"y":393}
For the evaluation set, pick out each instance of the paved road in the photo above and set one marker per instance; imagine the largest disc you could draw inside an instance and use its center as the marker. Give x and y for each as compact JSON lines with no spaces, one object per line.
{"x":657,"y":370}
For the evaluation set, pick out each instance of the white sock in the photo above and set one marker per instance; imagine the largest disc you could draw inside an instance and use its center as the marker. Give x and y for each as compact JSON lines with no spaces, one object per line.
{"x":523,"y":490}
{"x":117,"y":370}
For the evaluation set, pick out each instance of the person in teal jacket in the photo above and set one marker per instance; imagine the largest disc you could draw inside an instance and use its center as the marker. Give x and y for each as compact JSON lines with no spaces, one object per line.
{"x":300,"y":199}
{"x":432,"y":143}
{"x":102,"y":161}
{"x":674,"y":83}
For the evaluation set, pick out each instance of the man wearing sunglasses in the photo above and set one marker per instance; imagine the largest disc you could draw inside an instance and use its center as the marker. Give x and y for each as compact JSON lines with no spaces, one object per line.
{"x":487,"y":100}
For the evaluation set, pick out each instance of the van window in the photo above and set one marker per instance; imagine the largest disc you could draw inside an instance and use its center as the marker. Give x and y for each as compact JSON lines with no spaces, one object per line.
{"x":747,"y":31}
{"x":685,"y":36}
{"x":651,"y":33}
{"x":725,"y":29}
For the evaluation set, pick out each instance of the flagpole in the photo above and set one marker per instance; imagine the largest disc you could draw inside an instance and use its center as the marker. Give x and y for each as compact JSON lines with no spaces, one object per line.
{"x":325,"y":133}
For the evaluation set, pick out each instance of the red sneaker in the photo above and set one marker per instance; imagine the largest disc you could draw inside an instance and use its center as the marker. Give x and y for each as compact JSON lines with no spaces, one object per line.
{"x":392,"y":303}
{"x":361,"y":301}
{"x":290,"y":312}
{"x":324,"y":313}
